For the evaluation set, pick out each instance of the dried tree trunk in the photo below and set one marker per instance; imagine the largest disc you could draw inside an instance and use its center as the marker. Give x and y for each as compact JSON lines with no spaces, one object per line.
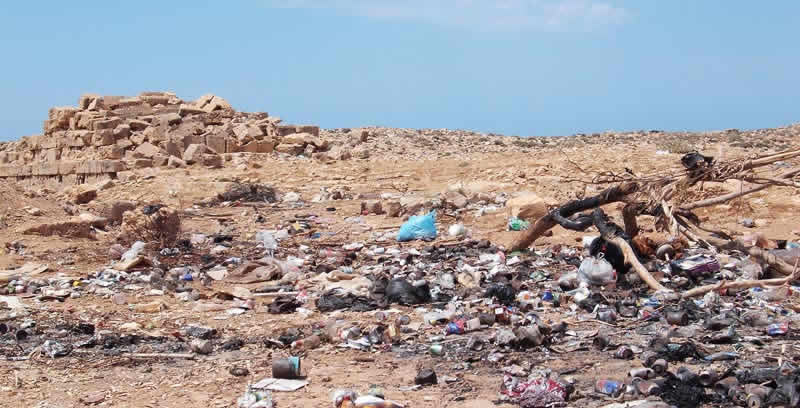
{"x":544,"y":224}
{"x":612,"y":233}
{"x":746,"y":284}
{"x":727,"y":197}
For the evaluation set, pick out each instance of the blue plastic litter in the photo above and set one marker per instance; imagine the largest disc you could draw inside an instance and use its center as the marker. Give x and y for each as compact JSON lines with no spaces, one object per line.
{"x":418,"y":227}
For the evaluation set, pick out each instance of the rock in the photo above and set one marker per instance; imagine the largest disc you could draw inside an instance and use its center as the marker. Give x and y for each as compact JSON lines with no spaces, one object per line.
{"x":186,"y":109}
{"x":529,"y":207}
{"x":371,"y":207}
{"x":213,"y":161}
{"x":426,"y":376}
{"x":137,"y":125}
{"x":130,"y":327}
{"x":72,"y":227}
{"x":455,"y":199}
{"x":118,"y":208}
{"x":194,"y":153}
{"x":298,"y":138}
{"x":359,"y":135}
{"x":361,"y":152}
{"x":175,"y":162}
{"x":199,"y":332}
{"x":148,"y":151}
{"x":291,"y":197}
{"x":292,"y":149}
{"x":162,"y":226}
{"x":84,"y":194}
{"x":394,"y":209}
{"x":202,"y":346}
{"x":104,"y":185}
{"x":33,"y":211}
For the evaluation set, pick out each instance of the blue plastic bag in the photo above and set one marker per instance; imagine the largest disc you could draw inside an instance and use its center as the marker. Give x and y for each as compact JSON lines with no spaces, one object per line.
{"x":418,"y":227}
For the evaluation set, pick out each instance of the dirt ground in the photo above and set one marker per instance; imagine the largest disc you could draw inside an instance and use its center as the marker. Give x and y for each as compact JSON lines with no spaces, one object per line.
{"x":92,"y":378}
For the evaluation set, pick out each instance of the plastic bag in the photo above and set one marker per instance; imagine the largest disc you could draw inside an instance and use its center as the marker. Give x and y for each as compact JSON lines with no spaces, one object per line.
{"x":518,"y":224}
{"x":418,"y":227}
{"x":596,"y":271}
{"x":133,"y":252}
{"x":269,"y":241}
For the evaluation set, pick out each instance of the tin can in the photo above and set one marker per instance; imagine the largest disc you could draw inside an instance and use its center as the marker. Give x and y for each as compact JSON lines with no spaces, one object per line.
{"x":455,"y":327}
{"x":623,"y":353}
{"x":607,"y":315}
{"x":287,"y":368}
{"x":778,"y":329}
{"x":648,"y":388}
{"x":608,"y":387}
{"x":677,"y":318}
{"x":600,"y":342}
{"x":642,"y":372}
{"x":437,"y":349}
{"x":659,"y":366}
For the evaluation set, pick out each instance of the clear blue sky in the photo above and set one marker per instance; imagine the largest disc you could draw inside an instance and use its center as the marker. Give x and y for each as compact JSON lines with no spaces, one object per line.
{"x":518,"y":67}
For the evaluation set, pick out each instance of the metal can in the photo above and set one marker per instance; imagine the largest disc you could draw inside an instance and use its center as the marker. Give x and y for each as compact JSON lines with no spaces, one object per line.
{"x":437,"y":349}
{"x":623,"y":353}
{"x":287,"y":368}
{"x":608,"y":387}
{"x":778,"y":329}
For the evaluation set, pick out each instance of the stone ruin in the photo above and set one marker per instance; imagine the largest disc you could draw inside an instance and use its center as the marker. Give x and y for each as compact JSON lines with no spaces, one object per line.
{"x":105,"y":135}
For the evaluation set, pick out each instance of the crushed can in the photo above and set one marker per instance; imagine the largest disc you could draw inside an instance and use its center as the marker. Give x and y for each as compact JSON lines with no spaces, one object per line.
{"x":778,"y":329}
{"x":609,"y":387}
{"x":623,"y":353}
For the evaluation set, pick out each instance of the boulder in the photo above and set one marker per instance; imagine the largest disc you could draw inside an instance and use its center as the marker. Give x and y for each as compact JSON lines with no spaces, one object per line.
{"x":292,"y":149}
{"x":150,"y":225}
{"x":84,"y":194}
{"x":361,"y":152}
{"x":394,"y":209}
{"x":81,"y":226}
{"x":194,"y":153}
{"x":455,"y":199}
{"x":298,"y":138}
{"x":107,"y":124}
{"x":118,"y":208}
{"x":528,"y":206}
{"x":148,"y":151}
{"x":212,"y":160}
{"x":175,"y":162}
{"x":371,"y":207}
{"x":138,"y":125}
{"x":186,"y":110}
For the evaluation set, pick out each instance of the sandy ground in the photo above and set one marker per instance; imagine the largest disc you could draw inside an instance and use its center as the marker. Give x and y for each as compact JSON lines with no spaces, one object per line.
{"x":94,"y":378}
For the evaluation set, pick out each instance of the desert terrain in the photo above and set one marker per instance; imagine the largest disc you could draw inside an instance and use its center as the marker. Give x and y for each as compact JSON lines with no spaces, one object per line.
{"x":126,"y":334}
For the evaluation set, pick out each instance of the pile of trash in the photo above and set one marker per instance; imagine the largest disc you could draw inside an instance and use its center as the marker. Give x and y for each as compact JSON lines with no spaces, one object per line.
{"x":464,"y":301}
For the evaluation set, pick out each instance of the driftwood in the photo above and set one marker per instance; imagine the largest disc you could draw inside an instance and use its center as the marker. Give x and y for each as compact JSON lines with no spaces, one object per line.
{"x":746,"y":284}
{"x":660,"y":196}
{"x":728,"y":197}
{"x":186,"y":356}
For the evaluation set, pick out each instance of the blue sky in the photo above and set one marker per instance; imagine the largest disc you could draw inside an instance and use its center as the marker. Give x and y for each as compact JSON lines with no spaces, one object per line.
{"x":517,"y":67}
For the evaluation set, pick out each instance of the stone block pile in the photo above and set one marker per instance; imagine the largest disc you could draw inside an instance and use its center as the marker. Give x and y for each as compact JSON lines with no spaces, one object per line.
{"x":104,"y":135}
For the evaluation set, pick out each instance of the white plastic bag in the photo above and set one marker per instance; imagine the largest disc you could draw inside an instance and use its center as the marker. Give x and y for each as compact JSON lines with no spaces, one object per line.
{"x":596,"y":271}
